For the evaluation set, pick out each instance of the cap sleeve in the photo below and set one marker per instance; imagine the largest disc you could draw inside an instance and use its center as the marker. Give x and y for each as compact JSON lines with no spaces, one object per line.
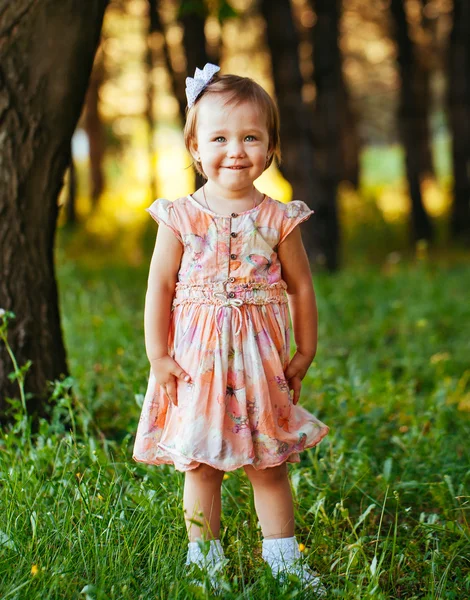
{"x":163,"y":211}
{"x":295,"y":212}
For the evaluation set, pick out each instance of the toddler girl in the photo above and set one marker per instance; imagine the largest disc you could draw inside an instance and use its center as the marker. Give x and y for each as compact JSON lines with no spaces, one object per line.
{"x":228,"y":264}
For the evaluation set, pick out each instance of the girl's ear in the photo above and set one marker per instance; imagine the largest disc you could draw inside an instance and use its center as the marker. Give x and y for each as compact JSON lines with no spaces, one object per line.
{"x":194,"y":150}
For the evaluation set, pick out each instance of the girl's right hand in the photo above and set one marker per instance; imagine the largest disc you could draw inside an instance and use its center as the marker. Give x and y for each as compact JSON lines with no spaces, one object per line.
{"x":166,"y":370}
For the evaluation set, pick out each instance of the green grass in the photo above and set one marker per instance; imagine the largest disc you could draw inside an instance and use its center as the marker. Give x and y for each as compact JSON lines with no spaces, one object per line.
{"x":381,"y":504}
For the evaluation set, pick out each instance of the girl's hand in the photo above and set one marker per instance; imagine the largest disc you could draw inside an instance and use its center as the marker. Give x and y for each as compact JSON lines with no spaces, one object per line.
{"x":295,"y":372}
{"x":166,"y":370}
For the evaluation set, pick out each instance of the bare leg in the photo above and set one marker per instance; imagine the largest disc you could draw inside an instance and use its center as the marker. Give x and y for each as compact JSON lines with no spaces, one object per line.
{"x":273,"y":500}
{"x":202,"y":502}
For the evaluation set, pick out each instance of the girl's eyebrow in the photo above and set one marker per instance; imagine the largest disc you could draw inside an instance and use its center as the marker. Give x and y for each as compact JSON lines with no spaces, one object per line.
{"x":245,"y":131}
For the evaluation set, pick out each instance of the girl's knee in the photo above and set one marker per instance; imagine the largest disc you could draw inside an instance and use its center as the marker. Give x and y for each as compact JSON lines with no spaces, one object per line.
{"x":268,"y":475}
{"x":206,"y":473}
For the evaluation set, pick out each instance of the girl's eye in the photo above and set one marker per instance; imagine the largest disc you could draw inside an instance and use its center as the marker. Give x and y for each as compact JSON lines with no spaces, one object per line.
{"x":250,"y":138}
{"x":220,"y":138}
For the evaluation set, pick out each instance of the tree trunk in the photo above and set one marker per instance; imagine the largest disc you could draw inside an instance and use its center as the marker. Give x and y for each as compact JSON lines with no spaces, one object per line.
{"x":412,"y":121}
{"x":330,"y":102}
{"x":71,"y":201}
{"x":459,"y":109}
{"x":177,"y":80}
{"x":350,"y":142}
{"x":194,"y":42}
{"x":94,"y":130}
{"x":47,"y":54}
{"x":149,"y":116}
{"x":296,"y":132}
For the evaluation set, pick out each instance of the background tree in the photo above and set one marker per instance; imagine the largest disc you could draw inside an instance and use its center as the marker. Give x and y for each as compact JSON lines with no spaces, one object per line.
{"x":459,"y":110}
{"x":42,"y":88}
{"x":192,"y":16}
{"x":296,"y":130}
{"x":328,"y":115}
{"x":413,"y":120}
{"x":95,"y":130}
{"x":154,"y":29}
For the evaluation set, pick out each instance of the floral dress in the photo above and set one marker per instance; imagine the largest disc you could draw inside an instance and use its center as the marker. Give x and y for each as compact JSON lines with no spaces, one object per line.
{"x":229,"y":330}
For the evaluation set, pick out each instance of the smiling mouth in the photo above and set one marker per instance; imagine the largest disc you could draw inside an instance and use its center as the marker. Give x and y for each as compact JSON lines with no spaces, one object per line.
{"x":236,"y":168}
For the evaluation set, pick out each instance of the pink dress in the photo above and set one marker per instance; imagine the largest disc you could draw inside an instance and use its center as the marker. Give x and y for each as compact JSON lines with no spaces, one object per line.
{"x":229,"y":330}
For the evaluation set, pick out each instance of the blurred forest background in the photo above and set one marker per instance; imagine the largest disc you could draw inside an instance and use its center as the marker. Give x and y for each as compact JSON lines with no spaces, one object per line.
{"x":374,"y":99}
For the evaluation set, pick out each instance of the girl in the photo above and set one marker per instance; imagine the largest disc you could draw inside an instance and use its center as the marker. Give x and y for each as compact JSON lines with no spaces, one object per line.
{"x":227,"y":263}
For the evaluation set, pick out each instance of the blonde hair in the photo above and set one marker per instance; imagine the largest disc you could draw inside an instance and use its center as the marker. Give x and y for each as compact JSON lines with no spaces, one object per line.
{"x":237,"y":89}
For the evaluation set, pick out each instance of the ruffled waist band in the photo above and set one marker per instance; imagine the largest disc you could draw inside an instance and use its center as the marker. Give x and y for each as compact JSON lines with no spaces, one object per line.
{"x":229,"y":293}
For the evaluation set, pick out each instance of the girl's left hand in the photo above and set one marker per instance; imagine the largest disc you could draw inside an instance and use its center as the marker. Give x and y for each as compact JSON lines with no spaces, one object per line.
{"x":295,"y":372}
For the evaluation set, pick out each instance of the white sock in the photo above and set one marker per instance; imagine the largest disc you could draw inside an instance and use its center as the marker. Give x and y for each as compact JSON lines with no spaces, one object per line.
{"x":196,"y":554}
{"x":280,"y":552}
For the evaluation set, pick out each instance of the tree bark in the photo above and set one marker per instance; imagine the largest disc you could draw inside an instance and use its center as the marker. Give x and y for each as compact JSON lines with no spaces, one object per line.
{"x":459,"y":112}
{"x":177,"y":80}
{"x":95,"y":133}
{"x":350,"y":141}
{"x":329,"y":118}
{"x":339,"y":130}
{"x":194,"y":42}
{"x":71,"y":201}
{"x":413,"y":121}
{"x":320,"y":238}
{"x":153,"y":28}
{"x":47,"y":49}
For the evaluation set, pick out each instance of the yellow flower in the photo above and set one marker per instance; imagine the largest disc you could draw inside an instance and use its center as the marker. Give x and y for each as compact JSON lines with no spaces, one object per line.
{"x":34,"y":570}
{"x":226,"y":476}
{"x":464,"y":404}
{"x":100,"y":497}
{"x":439,"y":357}
{"x":120,"y":351}
{"x":421,"y":249}
{"x":302,"y":548}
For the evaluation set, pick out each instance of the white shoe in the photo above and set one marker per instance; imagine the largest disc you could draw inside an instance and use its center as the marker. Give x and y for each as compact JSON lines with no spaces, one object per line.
{"x":310,"y":580}
{"x":208,"y":560}
{"x":284,"y":558}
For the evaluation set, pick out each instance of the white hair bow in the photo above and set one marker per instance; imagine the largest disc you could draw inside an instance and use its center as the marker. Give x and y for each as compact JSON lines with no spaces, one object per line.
{"x":194,"y":86}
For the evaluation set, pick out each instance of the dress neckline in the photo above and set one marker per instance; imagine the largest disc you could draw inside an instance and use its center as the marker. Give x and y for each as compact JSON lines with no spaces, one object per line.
{"x":214,"y":214}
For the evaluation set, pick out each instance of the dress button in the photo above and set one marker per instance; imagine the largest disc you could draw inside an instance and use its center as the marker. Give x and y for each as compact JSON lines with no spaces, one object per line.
{"x":233,"y":256}
{"x":231,"y":279}
{"x":231,"y":295}
{"x":234,"y":215}
{"x":233,"y":234}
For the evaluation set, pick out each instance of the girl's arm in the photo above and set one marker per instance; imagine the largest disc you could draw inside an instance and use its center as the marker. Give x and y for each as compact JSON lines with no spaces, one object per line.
{"x":162,"y":279}
{"x":303,"y":307}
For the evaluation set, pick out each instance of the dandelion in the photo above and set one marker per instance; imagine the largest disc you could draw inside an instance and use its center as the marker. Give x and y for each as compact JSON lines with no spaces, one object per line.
{"x":393,"y":258}
{"x":226,"y":476}
{"x":100,"y":497}
{"x":421,"y":249}
{"x":439,"y":357}
{"x":464,"y":403}
{"x":34,"y":570}
{"x":302,"y":548}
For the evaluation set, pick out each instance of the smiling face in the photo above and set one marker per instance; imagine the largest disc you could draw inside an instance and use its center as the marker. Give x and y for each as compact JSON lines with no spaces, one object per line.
{"x":231,"y":143}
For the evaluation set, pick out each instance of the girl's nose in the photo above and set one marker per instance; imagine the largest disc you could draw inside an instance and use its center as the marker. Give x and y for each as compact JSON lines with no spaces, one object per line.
{"x":236,"y":149}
